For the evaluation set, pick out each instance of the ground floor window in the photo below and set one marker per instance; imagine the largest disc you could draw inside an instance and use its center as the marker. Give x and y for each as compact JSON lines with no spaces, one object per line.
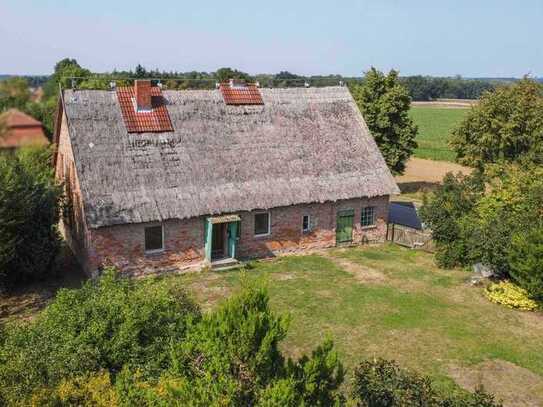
{"x":262,"y":223}
{"x":368,"y":216}
{"x":154,"y":238}
{"x":306,"y":224}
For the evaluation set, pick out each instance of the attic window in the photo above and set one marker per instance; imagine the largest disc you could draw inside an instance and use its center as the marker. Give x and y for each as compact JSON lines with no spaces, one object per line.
{"x":238,"y":93}
{"x":143,"y":108}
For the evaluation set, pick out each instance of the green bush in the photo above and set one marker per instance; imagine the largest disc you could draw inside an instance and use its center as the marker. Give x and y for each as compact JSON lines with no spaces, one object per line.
{"x":105,"y":325}
{"x":445,"y":213}
{"x":382,"y":383}
{"x":29,"y":212}
{"x":232,"y":357}
{"x":124,"y":342}
{"x":526,"y":261}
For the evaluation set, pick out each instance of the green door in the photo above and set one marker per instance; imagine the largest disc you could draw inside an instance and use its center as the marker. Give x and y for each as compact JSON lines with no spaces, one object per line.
{"x":344,"y":228}
{"x":232,"y":239}
{"x":208,"y":236}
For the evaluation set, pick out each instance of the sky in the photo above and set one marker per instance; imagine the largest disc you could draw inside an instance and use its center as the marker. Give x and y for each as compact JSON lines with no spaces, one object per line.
{"x":472,"y":38}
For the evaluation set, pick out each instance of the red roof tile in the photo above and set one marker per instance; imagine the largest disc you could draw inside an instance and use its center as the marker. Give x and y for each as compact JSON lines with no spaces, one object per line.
{"x":156,"y":120}
{"x":241,"y":95}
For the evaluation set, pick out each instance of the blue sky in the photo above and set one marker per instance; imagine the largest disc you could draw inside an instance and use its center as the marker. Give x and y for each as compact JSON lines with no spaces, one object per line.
{"x":447,"y":37}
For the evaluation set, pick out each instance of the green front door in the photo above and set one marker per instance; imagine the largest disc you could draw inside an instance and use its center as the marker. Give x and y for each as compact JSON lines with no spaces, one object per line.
{"x":344,"y":228}
{"x":232,"y":239}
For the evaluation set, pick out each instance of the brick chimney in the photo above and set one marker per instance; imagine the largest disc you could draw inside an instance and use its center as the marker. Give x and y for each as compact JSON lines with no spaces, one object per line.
{"x":142,"y":89}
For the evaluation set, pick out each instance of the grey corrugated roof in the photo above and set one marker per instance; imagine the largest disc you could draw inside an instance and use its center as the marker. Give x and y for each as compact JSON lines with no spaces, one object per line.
{"x":303,"y":145}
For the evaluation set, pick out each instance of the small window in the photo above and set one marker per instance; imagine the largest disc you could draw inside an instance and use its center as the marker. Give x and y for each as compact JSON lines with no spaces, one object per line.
{"x":368,"y":216}
{"x":154,"y":239}
{"x":306,"y":224}
{"x":262,"y":224}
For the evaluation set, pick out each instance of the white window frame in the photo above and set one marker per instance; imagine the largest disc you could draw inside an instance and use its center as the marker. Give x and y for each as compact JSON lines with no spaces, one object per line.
{"x":154,"y":251}
{"x":308,"y":223}
{"x":269,"y":223}
{"x":374,"y":224}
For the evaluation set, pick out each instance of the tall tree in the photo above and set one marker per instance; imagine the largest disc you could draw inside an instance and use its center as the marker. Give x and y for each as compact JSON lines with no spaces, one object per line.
{"x":384,"y":102}
{"x":506,"y":126}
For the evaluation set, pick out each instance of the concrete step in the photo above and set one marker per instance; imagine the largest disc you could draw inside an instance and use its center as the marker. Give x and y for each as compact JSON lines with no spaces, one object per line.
{"x":225,"y":264}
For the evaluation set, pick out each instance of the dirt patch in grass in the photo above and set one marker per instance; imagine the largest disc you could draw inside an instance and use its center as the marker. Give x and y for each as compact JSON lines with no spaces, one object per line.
{"x":359,"y":272}
{"x":283,"y":276}
{"x":515,"y":385}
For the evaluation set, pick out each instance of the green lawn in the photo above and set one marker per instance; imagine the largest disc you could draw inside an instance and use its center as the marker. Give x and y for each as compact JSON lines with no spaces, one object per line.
{"x":391,"y":302}
{"x":435,"y":125}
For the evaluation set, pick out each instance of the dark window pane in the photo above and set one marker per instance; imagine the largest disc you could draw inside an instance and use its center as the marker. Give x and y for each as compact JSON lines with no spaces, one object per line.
{"x":261,"y":223}
{"x":153,"y":238}
{"x":368,"y":216}
{"x":305,"y":223}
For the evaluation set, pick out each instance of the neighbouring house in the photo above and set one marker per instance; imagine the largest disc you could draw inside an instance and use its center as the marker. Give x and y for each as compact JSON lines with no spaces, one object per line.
{"x":167,"y":180}
{"x":17,"y":129}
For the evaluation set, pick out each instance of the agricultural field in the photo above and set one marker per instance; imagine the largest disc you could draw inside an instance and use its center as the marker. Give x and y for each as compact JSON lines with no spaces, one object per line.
{"x":435,"y":125}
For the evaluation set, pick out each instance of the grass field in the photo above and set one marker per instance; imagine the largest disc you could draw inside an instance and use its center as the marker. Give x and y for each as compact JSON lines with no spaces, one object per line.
{"x":435,"y":125}
{"x":383,"y":301}
{"x":393,"y":302}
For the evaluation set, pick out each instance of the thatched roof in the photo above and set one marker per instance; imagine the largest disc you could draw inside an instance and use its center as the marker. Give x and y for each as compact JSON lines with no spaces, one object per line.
{"x":301,"y":146}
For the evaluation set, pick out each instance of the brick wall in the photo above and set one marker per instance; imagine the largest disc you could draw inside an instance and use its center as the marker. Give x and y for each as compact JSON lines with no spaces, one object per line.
{"x":123,"y":245}
{"x":73,"y":226}
{"x":286,"y":227}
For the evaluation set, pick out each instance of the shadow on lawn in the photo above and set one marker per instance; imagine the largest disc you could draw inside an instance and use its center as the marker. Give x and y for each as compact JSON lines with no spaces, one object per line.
{"x":25,"y":301}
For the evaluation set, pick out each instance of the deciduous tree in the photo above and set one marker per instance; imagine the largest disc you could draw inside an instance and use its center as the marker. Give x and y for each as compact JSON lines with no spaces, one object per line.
{"x":384,"y":102}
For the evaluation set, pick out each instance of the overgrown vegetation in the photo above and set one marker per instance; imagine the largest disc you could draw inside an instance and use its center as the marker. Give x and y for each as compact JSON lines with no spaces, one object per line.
{"x":384,"y":102}
{"x":494,"y":219}
{"x":506,"y":126}
{"x":30,"y":202}
{"x":128,"y":342}
{"x":382,"y":383}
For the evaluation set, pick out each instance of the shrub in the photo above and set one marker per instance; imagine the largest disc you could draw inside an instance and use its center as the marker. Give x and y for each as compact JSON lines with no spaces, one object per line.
{"x":526,"y":261}
{"x":445,"y":211}
{"x":232,"y":357}
{"x":29,"y":211}
{"x":382,"y":383}
{"x":105,"y":325}
{"x":510,"y":295}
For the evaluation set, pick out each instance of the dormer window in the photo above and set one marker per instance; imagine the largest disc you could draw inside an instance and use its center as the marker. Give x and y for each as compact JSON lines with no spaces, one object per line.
{"x":143,"y":108}
{"x":237,"y":92}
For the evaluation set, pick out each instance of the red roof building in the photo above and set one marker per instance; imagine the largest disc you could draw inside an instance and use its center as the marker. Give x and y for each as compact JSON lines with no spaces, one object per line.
{"x":17,"y":129}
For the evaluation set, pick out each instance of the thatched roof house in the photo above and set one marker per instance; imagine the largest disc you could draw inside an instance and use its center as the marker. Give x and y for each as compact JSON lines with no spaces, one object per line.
{"x":198,"y":154}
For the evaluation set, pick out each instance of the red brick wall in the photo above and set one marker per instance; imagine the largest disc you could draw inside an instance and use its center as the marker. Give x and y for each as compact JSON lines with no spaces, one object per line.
{"x":123,"y":245}
{"x":73,"y":227}
{"x":286,"y":227}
